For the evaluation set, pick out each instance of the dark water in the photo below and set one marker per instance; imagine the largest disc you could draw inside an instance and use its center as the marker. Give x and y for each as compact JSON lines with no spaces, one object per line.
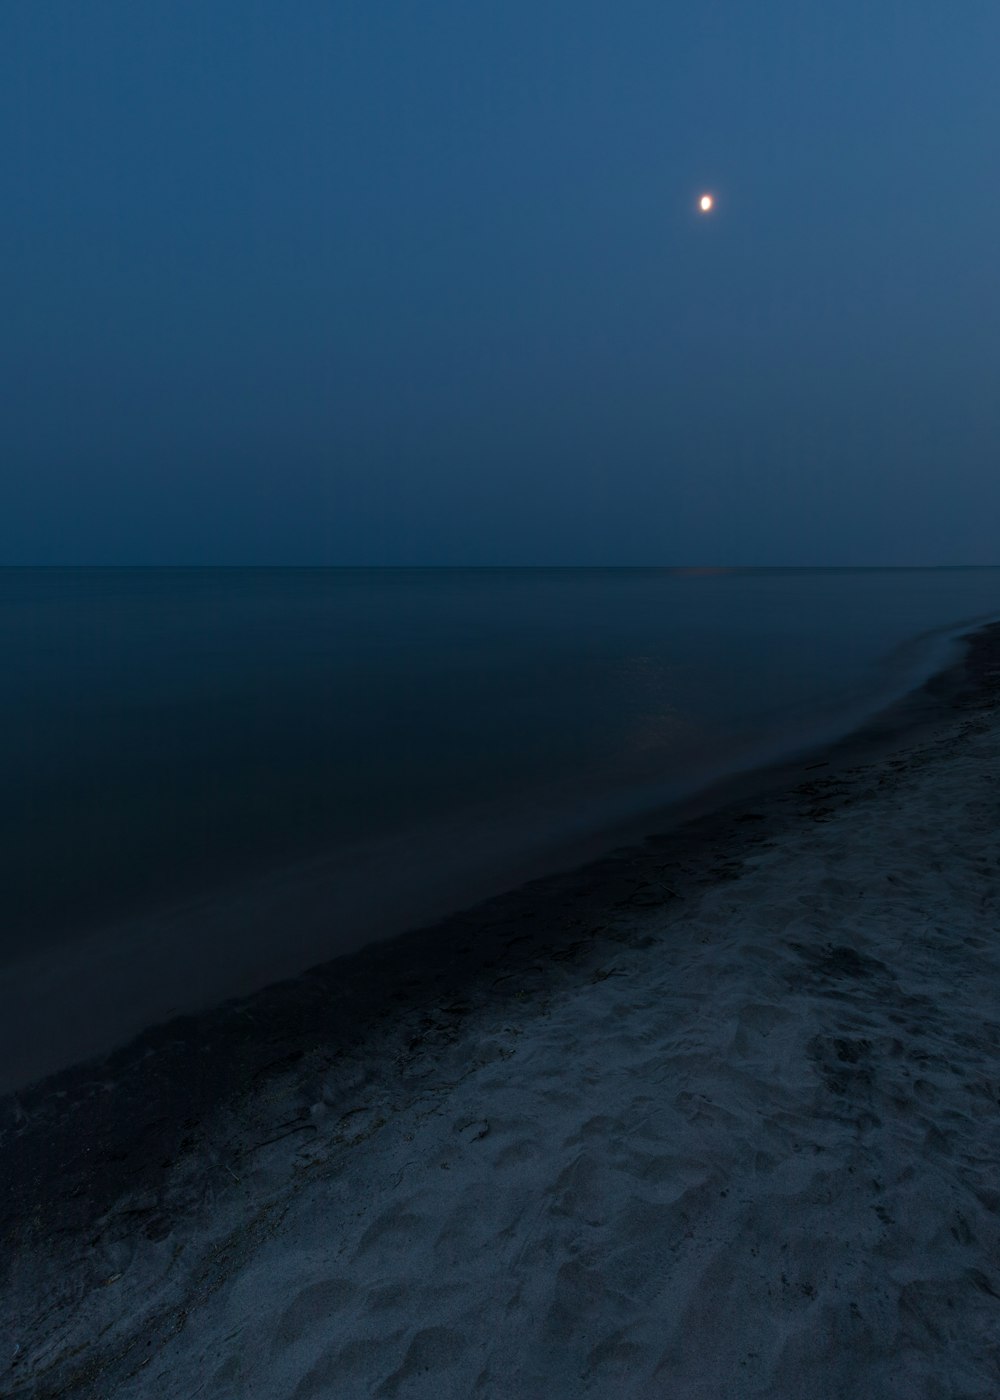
{"x":241,"y":772}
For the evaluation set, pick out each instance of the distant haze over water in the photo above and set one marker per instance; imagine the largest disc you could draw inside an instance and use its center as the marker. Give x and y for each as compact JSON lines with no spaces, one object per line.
{"x":212,"y":778}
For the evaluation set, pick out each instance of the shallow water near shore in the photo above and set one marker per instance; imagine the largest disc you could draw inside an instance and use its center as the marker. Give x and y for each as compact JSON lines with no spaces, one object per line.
{"x":214,"y":778}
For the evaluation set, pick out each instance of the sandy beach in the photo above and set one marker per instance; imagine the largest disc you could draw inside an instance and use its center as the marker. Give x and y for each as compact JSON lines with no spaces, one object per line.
{"x":716,"y":1117}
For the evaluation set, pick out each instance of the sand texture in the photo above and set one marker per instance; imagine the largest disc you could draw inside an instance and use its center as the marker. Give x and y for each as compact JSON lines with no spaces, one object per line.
{"x":736,"y":1135}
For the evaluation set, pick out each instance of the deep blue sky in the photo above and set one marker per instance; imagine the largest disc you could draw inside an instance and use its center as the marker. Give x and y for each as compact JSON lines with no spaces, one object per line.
{"x":337,"y":281}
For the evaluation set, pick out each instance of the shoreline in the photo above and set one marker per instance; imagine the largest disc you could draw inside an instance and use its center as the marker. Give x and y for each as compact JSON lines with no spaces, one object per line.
{"x":172,"y":960}
{"x":137,"y":1140}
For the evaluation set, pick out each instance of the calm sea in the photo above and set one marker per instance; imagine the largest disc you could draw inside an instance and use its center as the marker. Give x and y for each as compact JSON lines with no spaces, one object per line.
{"x":212,"y":778}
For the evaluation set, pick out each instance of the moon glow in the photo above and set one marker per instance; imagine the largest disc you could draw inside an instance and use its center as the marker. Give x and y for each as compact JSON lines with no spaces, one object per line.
{"x":706,"y":203}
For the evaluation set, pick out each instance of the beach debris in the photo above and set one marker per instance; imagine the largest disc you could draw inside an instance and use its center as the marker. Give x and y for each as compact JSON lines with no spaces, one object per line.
{"x":298,"y":1128}
{"x":472,"y":1130}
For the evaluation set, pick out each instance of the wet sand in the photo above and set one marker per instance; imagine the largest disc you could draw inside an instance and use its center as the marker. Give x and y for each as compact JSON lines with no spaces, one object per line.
{"x":717,"y":1116}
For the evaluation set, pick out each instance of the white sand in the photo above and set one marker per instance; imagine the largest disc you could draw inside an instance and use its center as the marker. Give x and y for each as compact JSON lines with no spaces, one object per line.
{"x":753,"y":1150}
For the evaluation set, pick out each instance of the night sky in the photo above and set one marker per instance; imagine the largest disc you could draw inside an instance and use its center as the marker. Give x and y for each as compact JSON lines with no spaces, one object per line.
{"x":384,"y":283}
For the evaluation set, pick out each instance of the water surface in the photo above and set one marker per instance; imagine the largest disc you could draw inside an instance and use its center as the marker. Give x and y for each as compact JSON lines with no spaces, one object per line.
{"x":211,"y":778}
